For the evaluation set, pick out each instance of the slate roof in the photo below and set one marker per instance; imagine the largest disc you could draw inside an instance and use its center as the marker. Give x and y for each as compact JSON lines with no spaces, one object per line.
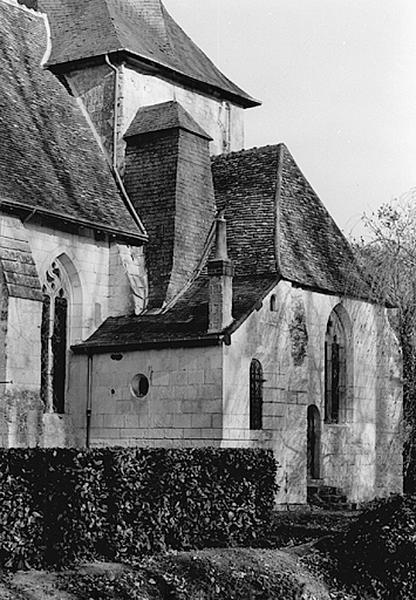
{"x":276,"y":223}
{"x":185,"y":323}
{"x":17,"y":265}
{"x":277,"y":228}
{"x":166,"y":115}
{"x":49,"y":160}
{"x":143,"y":28}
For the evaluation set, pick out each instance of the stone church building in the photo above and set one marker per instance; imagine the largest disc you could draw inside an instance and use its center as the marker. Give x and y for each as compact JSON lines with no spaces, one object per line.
{"x":160,"y":284}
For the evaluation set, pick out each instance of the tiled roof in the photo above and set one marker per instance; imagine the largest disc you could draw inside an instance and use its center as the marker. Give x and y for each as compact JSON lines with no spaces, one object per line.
{"x":49,"y":160}
{"x":17,"y":265}
{"x":277,"y":228}
{"x":276,"y":223}
{"x":143,"y":28}
{"x":185,"y":322}
{"x":167,"y":115}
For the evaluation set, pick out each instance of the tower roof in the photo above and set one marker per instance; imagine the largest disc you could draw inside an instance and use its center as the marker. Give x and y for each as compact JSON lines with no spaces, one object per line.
{"x":167,"y":115}
{"x":142,"y":29}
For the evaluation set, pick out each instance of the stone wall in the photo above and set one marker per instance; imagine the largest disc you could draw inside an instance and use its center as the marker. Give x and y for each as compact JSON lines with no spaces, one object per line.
{"x":86,"y":262}
{"x":350,"y":458}
{"x":200,"y":396}
{"x":95,"y":86}
{"x":223,"y":121}
{"x":183,"y":406}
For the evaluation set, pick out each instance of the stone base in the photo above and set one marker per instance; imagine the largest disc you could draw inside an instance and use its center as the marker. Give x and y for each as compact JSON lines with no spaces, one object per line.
{"x":58,"y":431}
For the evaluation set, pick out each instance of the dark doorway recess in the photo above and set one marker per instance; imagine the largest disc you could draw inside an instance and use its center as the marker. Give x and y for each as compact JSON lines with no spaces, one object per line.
{"x":314,"y":442}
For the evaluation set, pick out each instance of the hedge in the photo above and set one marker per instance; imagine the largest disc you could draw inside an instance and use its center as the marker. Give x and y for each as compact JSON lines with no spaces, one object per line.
{"x":378,"y":550}
{"x":58,"y":506}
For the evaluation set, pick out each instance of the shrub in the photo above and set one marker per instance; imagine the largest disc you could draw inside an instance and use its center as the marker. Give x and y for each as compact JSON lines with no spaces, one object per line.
{"x":208,"y":575}
{"x":66,"y":505}
{"x":194,"y":498}
{"x":65,"y":487}
{"x":21,"y":525}
{"x":379,"y":549}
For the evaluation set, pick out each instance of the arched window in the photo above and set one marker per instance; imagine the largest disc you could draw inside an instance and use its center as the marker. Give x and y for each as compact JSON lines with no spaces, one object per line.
{"x":256,"y":395}
{"x":54,"y":337}
{"x":336,"y":350}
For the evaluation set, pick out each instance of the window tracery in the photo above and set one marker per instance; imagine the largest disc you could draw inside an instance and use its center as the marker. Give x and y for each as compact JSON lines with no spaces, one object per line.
{"x":54,"y":334}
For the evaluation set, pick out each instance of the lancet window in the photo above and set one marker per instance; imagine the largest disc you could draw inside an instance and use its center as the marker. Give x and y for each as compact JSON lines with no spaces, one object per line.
{"x":335,"y":370}
{"x":256,"y":395}
{"x":54,"y":336}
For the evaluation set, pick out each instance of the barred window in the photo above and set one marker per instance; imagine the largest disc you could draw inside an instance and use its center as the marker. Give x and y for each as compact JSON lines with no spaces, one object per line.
{"x":256,"y":395}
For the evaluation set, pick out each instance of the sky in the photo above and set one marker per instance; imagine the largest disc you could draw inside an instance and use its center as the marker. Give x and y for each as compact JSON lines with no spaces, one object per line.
{"x":337,"y":79}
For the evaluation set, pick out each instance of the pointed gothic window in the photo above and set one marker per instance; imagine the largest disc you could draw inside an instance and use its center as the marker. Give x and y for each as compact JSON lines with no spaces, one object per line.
{"x":335,"y":370}
{"x":54,"y":339}
{"x":256,"y":395}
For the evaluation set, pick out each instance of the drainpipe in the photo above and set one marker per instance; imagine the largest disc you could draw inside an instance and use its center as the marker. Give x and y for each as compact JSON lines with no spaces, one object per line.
{"x":89,"y":399}
{"x":114,"y":167}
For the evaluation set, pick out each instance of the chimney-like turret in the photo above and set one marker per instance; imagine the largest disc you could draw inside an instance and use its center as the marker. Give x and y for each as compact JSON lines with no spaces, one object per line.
{"x":220,"y":272}
{"x":168,"y":178}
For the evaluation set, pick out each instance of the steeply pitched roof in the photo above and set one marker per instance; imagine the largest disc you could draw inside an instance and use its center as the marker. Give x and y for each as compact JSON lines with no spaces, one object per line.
{"x":49,"y":160}
{"x":277,"y":228}
{"x":142,"y":28}
{"x":167,"y":115}
{"x":276,"y":223}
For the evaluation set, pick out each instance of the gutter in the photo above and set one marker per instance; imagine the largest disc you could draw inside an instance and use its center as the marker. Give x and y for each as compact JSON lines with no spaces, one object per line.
{"x":277,"y":208}
{"x":208,"y":340}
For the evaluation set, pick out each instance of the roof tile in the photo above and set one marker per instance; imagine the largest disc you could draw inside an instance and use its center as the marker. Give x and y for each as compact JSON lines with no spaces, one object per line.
{"x":48,"y":157}
{"x":276,"y":228}
{"x":144,"y":28}
{"x":166,"y":115}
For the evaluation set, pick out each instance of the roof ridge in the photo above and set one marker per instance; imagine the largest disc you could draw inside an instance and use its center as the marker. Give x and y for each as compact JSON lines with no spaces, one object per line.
{"x":113,"y":22}
{"x":279,"y":177}
{"x":245,"y":151}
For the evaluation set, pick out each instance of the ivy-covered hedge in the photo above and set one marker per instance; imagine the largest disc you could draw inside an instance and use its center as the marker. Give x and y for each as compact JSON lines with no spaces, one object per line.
{"x":61,"y":505}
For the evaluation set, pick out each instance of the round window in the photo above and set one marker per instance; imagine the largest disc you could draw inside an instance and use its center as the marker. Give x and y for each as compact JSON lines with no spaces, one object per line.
{"x":139,"y":385}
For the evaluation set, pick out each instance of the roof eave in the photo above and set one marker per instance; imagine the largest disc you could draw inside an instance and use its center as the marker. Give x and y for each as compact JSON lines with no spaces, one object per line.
{"x":119,"y":347}
{"x":326,"y":292}
{"x":28,"y":212}
{"x":139,"y":60}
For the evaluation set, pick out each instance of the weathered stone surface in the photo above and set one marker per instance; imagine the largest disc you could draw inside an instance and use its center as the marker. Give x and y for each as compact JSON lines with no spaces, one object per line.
{"x":201,"y":395}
